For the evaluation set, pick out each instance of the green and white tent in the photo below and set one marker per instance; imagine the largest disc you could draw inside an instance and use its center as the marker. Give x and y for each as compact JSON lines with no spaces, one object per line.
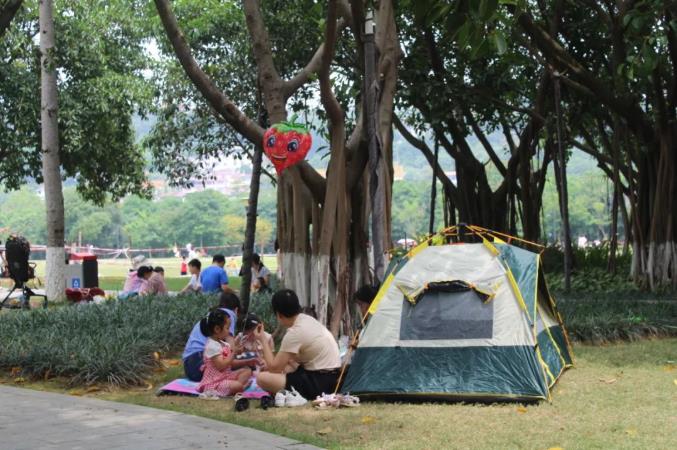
{"x":462,"y":321}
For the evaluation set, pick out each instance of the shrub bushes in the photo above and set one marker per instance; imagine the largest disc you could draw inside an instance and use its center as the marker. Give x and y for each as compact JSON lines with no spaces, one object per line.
{"x":113,"y":342}
{"x":604,"y":320}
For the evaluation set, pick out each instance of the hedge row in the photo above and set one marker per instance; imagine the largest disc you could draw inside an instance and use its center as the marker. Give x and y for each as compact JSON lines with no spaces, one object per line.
{"x":114,"y":342}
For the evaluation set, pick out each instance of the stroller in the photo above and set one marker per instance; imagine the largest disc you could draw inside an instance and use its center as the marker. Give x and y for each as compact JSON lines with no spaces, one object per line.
{"x":17,"y":251}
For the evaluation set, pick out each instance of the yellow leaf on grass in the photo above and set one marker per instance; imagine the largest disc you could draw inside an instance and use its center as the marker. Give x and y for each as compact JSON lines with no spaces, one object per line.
{"x":609,"y":381}
{"x":555,"y":448}
{"x":521,"y":409}
{"x":675,"y":381}
{"x":631,"y":432}
{"x":324,"y":431}
{"x":368,"y":420}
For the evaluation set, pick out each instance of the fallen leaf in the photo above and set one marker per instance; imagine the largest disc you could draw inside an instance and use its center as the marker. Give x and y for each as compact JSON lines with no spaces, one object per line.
{"x":609,"y":381}
{"x":555,"y":448}
{"x":19,"y":380}
{"x":324,"y":431}
{"x":172,"y":362}
{"x":631,"y":432}
{"x":521,"y":409}
{"x":675,"y":381}
{"x":366,"y":420}
{"x":91,"y":389}
{"x":156,"y":355}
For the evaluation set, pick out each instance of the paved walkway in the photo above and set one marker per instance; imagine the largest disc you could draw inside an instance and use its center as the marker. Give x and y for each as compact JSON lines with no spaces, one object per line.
{"x":42,"y":420}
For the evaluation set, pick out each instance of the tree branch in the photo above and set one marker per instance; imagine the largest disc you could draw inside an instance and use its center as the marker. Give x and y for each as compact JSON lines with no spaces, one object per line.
{"x":217,"y":99}
{"x":484,"y":141}
{"x":270,"y":81}
{"x":425,"y":150}
{"x":7,"y":13}
{"x":624,"y":106}
{"x":312,"y":68}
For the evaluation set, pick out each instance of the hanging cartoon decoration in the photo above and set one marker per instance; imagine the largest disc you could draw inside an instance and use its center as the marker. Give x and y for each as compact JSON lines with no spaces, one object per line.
{"x":286,"y":143}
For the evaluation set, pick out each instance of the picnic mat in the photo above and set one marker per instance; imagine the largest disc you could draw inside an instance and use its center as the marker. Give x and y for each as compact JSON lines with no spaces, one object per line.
{"x":183,"y":386}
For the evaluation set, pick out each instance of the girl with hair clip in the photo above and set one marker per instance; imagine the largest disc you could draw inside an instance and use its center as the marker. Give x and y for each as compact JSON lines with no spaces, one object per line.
{"x":219,"y":378}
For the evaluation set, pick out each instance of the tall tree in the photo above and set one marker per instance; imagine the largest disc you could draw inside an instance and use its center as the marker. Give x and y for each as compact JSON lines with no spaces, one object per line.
{"x":100,"y":54}
{"x":51,"y":165}
{"x":321,"y":221}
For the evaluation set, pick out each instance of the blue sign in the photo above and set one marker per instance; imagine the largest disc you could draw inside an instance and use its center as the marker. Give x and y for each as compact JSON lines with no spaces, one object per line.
{"x":76,"y":282}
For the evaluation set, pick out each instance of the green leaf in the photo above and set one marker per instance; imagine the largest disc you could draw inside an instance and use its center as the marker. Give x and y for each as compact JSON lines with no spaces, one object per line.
{"x":487,"y":9}
{"x":499,"y":42}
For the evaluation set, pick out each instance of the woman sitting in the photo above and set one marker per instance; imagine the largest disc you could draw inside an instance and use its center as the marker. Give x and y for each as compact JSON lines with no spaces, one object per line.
{"x":307,"y":342}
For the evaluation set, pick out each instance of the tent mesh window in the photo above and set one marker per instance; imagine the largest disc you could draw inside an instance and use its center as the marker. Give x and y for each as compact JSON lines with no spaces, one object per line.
{"x":440,"y":315}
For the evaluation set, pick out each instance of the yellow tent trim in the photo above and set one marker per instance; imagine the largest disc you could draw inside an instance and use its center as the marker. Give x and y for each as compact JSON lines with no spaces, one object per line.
{"x":547,"y":330}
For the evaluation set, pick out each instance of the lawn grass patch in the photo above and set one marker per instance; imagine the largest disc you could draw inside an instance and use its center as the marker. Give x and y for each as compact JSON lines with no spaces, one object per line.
{"x":116,"y":342}
{"x":619,"y":396}
{"x":174,"y":284}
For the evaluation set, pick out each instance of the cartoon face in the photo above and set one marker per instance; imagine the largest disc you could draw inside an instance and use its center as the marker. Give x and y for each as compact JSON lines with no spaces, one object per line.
{"x":286,"y":144}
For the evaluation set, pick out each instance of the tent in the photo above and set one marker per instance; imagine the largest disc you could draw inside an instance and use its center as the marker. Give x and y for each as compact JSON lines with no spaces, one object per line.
{"x":465,"y":315}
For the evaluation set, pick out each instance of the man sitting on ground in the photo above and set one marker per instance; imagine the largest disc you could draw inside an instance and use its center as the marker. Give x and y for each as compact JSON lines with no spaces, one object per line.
{"x":214,"y":279}
{"x":363,"y":298}
{"x":194,"y":266}
{"x":307,"y":342}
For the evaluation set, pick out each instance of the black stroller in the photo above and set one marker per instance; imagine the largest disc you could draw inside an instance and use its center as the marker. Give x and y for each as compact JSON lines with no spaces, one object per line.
{"x":17,"y":251}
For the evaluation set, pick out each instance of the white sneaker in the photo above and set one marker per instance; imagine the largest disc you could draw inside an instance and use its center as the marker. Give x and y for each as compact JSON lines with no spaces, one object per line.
{"x":294,"y":399}
{"x":281,"y":398}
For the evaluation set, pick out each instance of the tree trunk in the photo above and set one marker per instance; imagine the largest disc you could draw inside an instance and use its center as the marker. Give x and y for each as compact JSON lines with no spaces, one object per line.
{"x":252,"y":213}
{"x":563,"y":191}
{"x":51,"y":166}
{"x":250,"y":231}
{"x":433,"y":192}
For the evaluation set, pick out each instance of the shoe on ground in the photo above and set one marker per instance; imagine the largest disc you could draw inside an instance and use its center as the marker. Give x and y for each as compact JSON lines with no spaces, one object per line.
{"x":293,"y":399}
{"x":281,"y":398}
{"x":241,"y":403}
{"x":267,"y":401}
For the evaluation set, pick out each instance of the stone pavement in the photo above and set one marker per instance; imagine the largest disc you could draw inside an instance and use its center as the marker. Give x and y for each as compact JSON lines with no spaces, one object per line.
{"x":42,"y":420}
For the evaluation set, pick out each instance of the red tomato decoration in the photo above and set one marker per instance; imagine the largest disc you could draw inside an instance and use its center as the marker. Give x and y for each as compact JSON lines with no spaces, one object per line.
{"x":286,"y":143}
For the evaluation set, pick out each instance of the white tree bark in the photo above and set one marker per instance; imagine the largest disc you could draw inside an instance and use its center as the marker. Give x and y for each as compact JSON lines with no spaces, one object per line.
{"x":51,"y":173}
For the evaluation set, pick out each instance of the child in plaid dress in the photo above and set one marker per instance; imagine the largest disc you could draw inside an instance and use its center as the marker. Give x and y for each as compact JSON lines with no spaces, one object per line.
{"x":219,"y":379}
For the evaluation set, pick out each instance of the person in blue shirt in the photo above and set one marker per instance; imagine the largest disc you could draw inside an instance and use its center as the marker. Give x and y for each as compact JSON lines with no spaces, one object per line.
{"x":195,"y":346}
{"x":214,"y":279}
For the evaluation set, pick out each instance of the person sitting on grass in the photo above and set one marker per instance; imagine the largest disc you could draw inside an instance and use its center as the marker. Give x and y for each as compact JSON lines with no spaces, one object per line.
{"x":229,"y":303}
{"x":214,"y":279}
{"x":249,"y":342}
{"x":307,"y":342}
{"x":220,"y":379}
{"x":154,"y":281}
{"x":363,"y":297}
{"x":260,"y":274}
{"x":133,"y":282}
{"x":194,"y":266}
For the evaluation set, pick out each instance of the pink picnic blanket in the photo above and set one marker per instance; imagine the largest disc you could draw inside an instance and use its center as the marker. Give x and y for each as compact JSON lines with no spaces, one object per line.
{"x":184,"y":386}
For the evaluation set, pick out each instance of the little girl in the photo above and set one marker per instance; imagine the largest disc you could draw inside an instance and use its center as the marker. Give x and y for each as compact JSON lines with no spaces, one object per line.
{"x":219,"y":379}
{"x":250,"y":345}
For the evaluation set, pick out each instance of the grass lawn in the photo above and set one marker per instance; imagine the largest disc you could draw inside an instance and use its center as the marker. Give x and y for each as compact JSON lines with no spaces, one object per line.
{"x":619,"y":396}
{"x":112,"y":272}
